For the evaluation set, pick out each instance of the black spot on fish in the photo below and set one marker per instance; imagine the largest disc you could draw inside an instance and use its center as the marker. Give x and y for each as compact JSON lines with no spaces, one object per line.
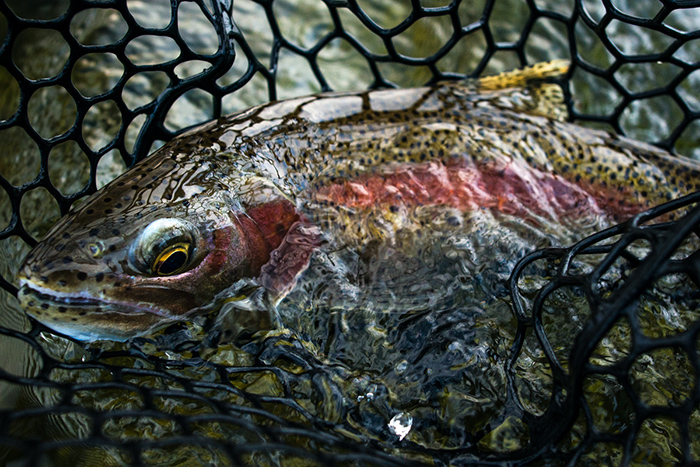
{"x":113,"y":248}
{"x":108,"y":211}
{"x":99,"y":277}
{"x":82,"y":276}
{"x":90,"y":211}
{"x":45,"y":306}
{"x":116,"y":232}
{"x":66,"y":236}
{"x":67,"y":260}
{"x":93,"y":232}
{"x":62,"y":309}
{"x":107,"y":200}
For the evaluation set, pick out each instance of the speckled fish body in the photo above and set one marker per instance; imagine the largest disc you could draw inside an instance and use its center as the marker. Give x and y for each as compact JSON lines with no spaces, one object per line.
{"x":239,"y":197}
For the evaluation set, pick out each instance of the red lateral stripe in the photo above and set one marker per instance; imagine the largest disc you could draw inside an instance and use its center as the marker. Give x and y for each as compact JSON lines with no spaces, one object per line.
{"x":513,"y":188}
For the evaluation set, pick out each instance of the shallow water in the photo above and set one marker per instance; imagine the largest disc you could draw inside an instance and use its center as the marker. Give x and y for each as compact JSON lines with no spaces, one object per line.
{"x":439,"y":347}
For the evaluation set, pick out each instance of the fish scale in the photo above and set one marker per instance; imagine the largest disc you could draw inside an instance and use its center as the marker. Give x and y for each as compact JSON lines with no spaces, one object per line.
{"x":232,"y":200}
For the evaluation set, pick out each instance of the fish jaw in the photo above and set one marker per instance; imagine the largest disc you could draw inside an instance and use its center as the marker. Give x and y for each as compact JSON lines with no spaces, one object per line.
{"x":84,"y":317}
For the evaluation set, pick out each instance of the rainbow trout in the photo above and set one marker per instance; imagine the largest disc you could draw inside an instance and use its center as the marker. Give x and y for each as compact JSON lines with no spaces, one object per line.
{"x":248,"y":197}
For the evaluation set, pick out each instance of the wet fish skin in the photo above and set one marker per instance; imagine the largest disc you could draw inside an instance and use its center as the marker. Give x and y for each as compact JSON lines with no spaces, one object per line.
{"x":235,"y":187}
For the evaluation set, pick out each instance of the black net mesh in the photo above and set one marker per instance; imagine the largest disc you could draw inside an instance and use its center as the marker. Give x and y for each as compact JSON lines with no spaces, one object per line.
{"x":88,"y":88}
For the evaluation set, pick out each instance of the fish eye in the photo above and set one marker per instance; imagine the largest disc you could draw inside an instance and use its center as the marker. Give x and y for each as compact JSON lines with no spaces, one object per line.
{"x":171,"y":260}
{"x":164,"y":248}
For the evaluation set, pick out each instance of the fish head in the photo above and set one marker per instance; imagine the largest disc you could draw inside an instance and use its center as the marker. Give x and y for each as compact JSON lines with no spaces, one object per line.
{"x":157,"y":243}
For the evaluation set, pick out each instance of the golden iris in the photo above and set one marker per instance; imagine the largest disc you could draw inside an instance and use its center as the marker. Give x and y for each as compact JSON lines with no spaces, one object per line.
{"x":171,"y":260}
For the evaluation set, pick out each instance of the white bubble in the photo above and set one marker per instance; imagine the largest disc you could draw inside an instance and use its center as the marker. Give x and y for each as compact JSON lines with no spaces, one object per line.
{"x":401,"y":424}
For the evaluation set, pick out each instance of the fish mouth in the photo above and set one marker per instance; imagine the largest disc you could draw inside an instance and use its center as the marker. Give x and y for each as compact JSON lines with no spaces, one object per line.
{"x":88,"y":318}
{"x":83,"y":300}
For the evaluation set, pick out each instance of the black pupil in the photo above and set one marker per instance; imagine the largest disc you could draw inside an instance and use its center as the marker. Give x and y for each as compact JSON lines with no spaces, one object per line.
{"x":174,"y":262}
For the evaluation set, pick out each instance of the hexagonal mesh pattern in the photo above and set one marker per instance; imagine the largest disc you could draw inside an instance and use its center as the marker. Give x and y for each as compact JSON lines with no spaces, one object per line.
{"x":117,"y":78}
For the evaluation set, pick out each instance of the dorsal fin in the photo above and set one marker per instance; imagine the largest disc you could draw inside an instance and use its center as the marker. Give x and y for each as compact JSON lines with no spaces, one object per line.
{"x":547,"y":98}
{"x":524,"y":77}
